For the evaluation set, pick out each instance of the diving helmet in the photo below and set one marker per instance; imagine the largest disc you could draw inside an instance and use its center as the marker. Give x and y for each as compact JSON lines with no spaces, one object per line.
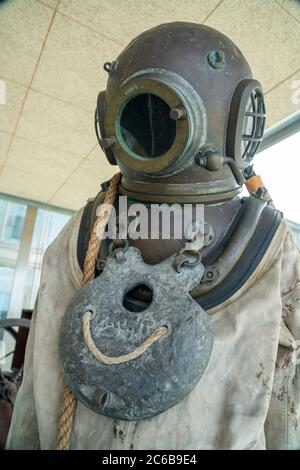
{"x":181,"y":115}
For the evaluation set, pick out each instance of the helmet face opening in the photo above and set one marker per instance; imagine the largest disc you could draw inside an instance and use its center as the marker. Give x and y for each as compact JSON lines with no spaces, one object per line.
{"x":148,"y":138}
{"x":146,"y":127}
{"x":246,"y":122}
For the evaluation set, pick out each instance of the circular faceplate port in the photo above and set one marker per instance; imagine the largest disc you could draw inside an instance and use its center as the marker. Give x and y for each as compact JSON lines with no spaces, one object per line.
{"x":148,"y":140}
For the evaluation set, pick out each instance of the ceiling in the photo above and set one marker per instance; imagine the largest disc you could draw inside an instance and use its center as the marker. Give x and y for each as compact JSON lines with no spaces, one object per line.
{"x":51,"y":59}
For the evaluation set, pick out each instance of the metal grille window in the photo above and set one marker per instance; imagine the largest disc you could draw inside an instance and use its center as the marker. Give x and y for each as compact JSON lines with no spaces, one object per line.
{"x":253,"y":125}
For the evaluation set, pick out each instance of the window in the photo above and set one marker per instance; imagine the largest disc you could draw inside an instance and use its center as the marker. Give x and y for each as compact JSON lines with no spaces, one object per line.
{"x":47,"y":226}
{"x":26,"y":230}
{"x":12,"y":217}
{"x":279,"y":167}
{"x":6,"y":281}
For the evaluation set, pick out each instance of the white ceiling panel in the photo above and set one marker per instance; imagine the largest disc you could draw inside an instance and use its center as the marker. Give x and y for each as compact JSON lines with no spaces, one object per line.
{"x":9,"y":111}
{"x":292,"y":7}
{"x":85,"y":181}
{"x":50,"y":3}
{"x":4,"y":142}
{"x":71,"y":67}
{"x":36,"y":159}
{"x":23,"y":27}
{"x":51,"y":122}
{"x":122,"y":20}
{"x":283,"y":100}
{"x":26,"y":185}
{"x":266,"y":34}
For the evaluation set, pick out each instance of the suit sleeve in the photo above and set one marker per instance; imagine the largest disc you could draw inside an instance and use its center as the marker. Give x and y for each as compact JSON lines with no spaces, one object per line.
{"x":23,"y":433}
{"x":282,"y":427}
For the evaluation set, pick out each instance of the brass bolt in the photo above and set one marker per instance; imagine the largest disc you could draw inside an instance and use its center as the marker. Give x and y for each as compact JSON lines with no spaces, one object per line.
{"x":107,"y":142}
{"x":178,"y":113}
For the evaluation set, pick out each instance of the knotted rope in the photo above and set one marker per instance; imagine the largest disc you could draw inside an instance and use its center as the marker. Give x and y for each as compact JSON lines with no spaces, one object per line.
{"x":110,"y":360}
{"x":69,"y":399}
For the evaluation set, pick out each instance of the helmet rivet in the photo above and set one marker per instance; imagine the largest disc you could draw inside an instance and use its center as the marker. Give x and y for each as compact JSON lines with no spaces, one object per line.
{"x":216,"y":60}
{"x":177,"y":113}
{"x":107,"y":142}
{"x":110,"y":67}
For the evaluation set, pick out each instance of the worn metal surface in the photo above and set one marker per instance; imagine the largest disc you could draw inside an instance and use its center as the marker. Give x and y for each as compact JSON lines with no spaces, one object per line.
{"x":184,"y":191}
{"x":246,"y":122}
{"x":220,"y":217}
{"x":164,"y":374}
{"x":219,"y":270}
{"x":190,"y":133}
{"x":176,"y":62}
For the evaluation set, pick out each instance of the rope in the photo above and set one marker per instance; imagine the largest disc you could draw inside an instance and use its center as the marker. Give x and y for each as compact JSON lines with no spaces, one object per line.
{"x":99,"y":228}
{"x":110,"y":360}
{"x":66,"y":419}
{"x":69,"y":399}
